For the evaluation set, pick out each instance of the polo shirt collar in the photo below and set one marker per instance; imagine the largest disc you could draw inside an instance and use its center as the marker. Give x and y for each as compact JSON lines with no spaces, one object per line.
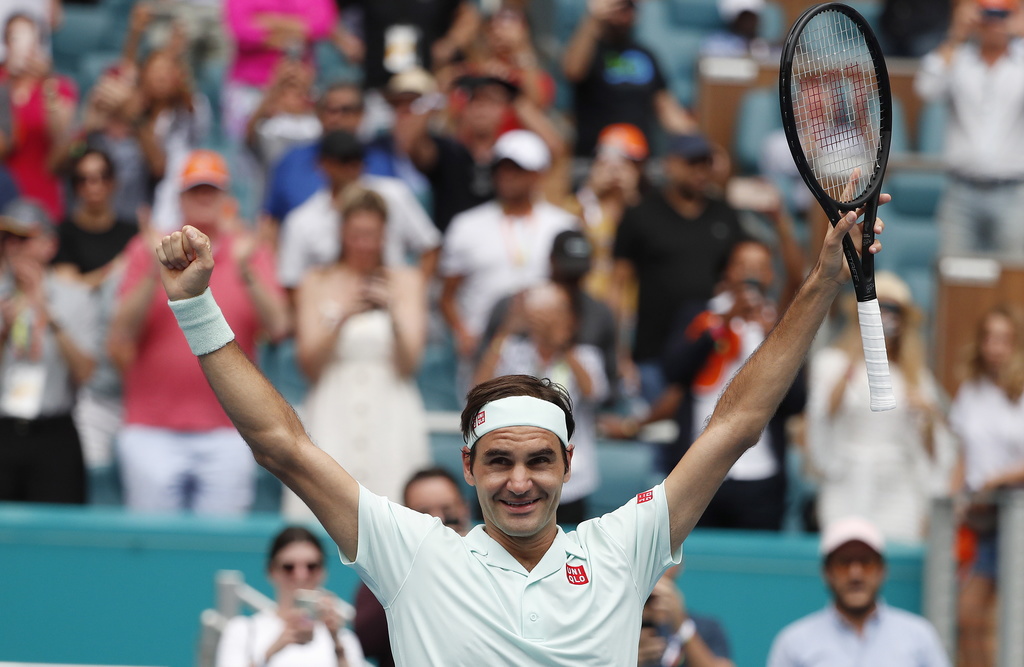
{"x":562,"y":548}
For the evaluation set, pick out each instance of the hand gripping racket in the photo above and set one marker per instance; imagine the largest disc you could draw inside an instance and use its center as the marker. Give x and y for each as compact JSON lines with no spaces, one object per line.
{"x":837,"y":114}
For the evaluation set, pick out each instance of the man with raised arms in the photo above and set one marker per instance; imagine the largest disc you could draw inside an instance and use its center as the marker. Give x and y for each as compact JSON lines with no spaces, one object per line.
{"x":517,"y":590}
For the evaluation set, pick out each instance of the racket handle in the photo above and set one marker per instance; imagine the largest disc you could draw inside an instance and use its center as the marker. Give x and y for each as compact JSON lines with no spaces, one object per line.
{"x":879,"y":383}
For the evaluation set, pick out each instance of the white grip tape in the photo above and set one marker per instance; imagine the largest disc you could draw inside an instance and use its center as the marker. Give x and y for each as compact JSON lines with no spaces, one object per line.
{"x":875,"y":358}
{"x":202,"y":322}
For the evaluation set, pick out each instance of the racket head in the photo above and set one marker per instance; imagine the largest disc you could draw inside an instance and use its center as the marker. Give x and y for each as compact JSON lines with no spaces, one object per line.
{"x":836,"y":106}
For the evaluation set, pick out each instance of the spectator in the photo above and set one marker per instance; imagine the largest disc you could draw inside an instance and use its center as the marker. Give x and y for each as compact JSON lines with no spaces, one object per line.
{"x":613,"y":184}
{"x":542,"y":340}
{"x":298,"y":175}
{"x":571,"y":261}
{"x":412,"y":95}
{"x":887,"y":465}
{"x":671,"y":635}
{"x":197,"y":24}
{"x":285,"y":118}
{"x":190,"y":457}
{"x":91,"y":242}
{"x":266,"y":32}
{"x":361,"y":330}
{"x":292,"y":634}
{"x":710,"y":343}
{"x":398,"y":36}
{"x":984,"y":147}
{"x":741,"y":38}
{"x":47,"y":14}
{"x":47,"y":350}
{"x":857,"y":622}
{"x":42,"y":107}
{"x":500,"y":247}
{"x":173,"y":120}
{"x":615,"y":79}
{"x":459,"y":167}
{"x":432,"y":491}
{"x":988,"y":416}
{"x":310,"y":235}
{"x":671,"y":245}
{"x":109,"y":124}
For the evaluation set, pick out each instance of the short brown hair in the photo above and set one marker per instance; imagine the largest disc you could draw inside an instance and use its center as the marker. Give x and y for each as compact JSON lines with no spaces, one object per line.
{"x":515,"y":385}
{"x":355,"y":198}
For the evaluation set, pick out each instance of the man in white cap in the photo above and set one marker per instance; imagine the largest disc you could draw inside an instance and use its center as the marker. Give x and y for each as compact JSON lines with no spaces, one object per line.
{"x":518,"y":590}
{"x":857,"y":628}
{"x":500,"y":247}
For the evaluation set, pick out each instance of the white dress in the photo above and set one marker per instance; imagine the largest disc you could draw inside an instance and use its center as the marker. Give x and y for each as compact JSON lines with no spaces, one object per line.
{"x":364,"y":414}
{"x":874,"y":464}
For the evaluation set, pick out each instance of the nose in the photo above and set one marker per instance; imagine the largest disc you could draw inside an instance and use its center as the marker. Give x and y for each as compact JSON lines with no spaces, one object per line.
{"x":519,"y":481}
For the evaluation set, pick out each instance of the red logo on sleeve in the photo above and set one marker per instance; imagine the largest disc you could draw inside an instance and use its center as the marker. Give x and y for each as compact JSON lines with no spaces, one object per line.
{"x":480,"y":419}
{"x":576,"y":575}
{"x":645,"y":496}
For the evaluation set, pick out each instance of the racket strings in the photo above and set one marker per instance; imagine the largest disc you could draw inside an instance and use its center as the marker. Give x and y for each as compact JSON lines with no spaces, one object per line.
{"x":837,"y":104}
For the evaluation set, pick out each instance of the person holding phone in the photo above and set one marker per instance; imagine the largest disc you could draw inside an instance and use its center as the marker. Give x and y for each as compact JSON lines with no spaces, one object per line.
{"x":306,"y":629}
{"x":361,"y":329}
{"x":42,"y":107}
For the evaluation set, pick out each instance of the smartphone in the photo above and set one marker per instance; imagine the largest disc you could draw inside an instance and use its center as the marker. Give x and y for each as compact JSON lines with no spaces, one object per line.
{"x":309,"y":602}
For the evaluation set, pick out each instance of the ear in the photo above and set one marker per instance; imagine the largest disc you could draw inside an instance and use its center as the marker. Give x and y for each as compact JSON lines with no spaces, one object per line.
{"x":467,"y":470}
{"x":568,"y":462}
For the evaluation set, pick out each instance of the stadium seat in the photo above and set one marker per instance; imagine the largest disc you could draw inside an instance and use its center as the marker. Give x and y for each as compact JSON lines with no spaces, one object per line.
{"x":677,"y":55}
{"x":695,"y":14}
{"x":931,"y":128}
{"x":911,"y":242}
{"x":567,"y":16}
{"x":627,"y":468}
{"x":85,"y":30}
{"x":915,"y":193}
{"x":758,"y":116}
{"x":772,"y":26}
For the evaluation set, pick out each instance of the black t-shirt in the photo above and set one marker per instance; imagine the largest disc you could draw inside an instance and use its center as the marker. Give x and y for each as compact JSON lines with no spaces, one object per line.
{"x":676,"y":260}
{"x":619,"y":88}
{"x":383,"y":21}
{"x":88,"y":251}
{"x":458,"y":182}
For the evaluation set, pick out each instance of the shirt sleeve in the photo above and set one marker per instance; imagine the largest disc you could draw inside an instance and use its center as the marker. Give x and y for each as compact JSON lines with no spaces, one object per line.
{"x":389,"y":537}
{"x":418,"y":233}
{"x":240,"y":15}
{"x":626,"y":240}
{"x":290,"y":252}
{"x":779,"y":655}
{"x":590,"y":358}
{"x":78,"y":318}
{"x":455,"y":256}
{"x":641,"y":529}
{"x":231,"y":649}
{"x":932,"y":79}
{"x":932,"y":653}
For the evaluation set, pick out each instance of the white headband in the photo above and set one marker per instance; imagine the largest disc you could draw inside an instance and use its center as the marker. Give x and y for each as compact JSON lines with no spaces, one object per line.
{"x":519,"y":411}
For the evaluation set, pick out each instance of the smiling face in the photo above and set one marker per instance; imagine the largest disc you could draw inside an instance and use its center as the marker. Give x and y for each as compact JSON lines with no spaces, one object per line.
{"x":518,"y":472}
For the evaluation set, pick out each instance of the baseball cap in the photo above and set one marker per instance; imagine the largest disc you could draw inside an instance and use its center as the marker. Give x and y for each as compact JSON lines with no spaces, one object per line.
{"x":415,"y":81}
{"x":473,"y":82}
{"x":341,"y":146}
{"x":26,"y":218}
{"x":524,"y":148}
{"x":851,"y":529}
{"x":998,"y":5}
{"x":625,"y":140}
{"x":204,"y":167}
{"x":571,"y":254}
{"x":690,"y":146}
{"x":890,"y":287}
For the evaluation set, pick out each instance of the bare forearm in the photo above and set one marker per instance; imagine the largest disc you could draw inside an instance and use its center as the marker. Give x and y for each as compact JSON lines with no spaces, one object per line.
{"x":582,"y":47}
{"x":271,"y":308}
{"x":80,"y":364}
{"x":580,"y":374}
{"x":314,"y":348}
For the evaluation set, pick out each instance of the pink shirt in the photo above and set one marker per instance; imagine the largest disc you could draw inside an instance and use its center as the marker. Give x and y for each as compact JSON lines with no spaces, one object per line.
{"x":165,"y":387}
{"x":254,"y":61}
{"x":31,"y":146}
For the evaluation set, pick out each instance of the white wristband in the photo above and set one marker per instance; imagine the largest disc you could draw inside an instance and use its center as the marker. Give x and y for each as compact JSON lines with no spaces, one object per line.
{"x":203,"y":324}
{"x":686,"y":631}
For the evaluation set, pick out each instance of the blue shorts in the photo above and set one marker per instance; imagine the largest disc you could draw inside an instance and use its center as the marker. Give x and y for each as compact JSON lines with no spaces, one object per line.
{"x":986,"y":563}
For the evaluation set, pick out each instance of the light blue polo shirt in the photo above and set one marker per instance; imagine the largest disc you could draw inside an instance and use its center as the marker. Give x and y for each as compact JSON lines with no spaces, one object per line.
{"x":892,"y":637}
{"x":465,"y":601}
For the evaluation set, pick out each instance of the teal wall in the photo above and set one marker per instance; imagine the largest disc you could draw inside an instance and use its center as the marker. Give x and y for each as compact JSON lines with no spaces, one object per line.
{"x":105,"y":586}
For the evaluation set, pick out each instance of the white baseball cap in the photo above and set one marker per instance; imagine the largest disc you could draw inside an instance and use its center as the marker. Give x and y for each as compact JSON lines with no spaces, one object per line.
{"x":851,"y":529}
{"x":524,"y":148}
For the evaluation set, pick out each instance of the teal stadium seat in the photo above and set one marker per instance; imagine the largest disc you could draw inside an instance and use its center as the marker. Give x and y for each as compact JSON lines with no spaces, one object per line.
{"x":86,"y":30}
{"x":627,"y":468}
{"x":931,"y":128}
{"x":915,"y":192}
{"x":758,"y":116}
{"x":695,"y":14}
{"x":772,"y":26}
{"x":677,"y":55}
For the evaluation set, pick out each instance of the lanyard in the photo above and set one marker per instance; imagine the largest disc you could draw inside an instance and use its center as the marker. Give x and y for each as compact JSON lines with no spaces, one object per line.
{"x":518,"y":233}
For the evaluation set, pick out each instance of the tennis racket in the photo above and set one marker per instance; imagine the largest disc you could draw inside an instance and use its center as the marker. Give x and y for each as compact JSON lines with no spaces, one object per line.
{"x":837,"y":114}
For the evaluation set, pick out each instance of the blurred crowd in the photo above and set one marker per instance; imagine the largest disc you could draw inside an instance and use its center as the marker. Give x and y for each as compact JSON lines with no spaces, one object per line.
{"x":473,"y":198}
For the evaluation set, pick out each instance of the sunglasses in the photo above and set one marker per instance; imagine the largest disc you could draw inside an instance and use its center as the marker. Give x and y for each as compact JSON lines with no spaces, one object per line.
{"x":79,"y":179}
{"x":344,"y":108}
{"x":289,"y":568}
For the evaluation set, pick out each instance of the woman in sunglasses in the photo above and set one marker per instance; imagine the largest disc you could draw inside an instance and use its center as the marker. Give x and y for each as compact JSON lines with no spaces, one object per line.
{"x":305,"y":630}
{"x":884,"y":466}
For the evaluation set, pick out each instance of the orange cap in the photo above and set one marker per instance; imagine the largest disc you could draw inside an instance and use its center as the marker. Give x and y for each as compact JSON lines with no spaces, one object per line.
{"x":204,"y":167}
{"x":625,"y":139}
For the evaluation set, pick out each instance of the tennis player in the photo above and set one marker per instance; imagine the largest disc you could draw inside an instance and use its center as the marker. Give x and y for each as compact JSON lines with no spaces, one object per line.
{"x":517,"y":590}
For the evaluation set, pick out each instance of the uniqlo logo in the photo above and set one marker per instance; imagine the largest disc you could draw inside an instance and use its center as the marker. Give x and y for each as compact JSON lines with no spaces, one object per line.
{"x":645,"y":496}
{"x":576,"y":575}
{"x":480,"y":419}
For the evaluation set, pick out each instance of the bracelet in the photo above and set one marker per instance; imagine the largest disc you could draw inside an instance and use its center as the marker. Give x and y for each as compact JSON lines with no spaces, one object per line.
{"x":202,"y":322}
